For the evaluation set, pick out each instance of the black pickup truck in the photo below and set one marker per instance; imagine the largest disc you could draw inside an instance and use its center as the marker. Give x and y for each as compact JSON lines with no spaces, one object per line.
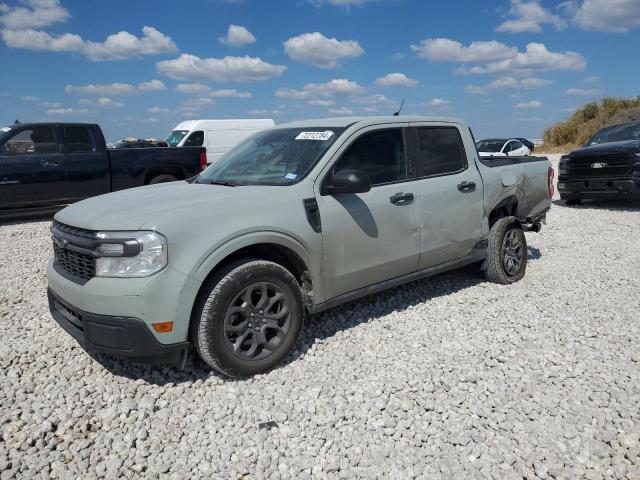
{"x":608,"y":166}
{"x":44,"y":166}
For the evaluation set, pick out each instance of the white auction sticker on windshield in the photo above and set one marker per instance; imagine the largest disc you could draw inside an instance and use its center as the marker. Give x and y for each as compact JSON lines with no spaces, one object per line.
{"x":5,"y":129}
{"x":321,"y":136}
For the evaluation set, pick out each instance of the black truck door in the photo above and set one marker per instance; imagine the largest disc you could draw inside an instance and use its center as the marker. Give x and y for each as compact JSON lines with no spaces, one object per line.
{"x":87,"y":161}
{"x":32,"y":168}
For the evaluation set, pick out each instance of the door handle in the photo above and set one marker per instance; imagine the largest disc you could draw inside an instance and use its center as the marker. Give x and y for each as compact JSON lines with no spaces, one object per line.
{"x":466,"y":187}
{"x":47,"y":163}
{"x":401,"y":198}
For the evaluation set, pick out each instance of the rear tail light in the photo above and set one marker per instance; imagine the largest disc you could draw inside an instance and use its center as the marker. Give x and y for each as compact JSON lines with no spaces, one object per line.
{"x":550,"y":176}
{"x":203,"y":160}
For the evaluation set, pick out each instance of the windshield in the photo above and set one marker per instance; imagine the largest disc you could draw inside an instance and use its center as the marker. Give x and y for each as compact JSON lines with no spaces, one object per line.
{"x":616,"y":133}
{"x":490,"y":146}
{"x":176,"y":137}
{"x":272,"y":157}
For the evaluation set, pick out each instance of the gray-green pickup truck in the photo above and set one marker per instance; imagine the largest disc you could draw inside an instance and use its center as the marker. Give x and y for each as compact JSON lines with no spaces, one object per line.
{"x":294,"y":220}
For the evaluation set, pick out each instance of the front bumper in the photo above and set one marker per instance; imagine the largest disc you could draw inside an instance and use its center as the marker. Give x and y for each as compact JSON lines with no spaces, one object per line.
{"x":593,"y":188}
{"x":121,"y":336}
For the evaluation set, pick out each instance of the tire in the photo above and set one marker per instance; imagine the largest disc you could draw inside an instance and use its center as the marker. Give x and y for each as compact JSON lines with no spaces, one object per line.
{"x":229,"y":330}
{"x":162,"y":179}
{"x":570,"y":200}
{"x":506,"y":263}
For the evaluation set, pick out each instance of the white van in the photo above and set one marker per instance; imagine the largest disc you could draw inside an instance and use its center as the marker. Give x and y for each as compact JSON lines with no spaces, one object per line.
{"x":217,"y":135}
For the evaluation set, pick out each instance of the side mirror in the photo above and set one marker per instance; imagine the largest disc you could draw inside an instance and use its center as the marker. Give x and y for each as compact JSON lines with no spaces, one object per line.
{"x":348,"y":181}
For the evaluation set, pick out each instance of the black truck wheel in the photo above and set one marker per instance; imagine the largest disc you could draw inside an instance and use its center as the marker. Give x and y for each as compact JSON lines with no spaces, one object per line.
{"x":506,"y":260}
{"x":162,"y":179}
{"x":570,"y":200}
{"x":248,"y":318}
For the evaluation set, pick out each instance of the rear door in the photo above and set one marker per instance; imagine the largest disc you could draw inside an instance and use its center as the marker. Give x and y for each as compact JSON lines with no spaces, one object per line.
{"x":87,"y":161}
{"x":32,"y":168}
{"x":450,"y":193}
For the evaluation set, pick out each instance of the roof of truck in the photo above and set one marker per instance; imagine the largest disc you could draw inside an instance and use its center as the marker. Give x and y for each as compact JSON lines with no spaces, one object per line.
{"x":342,"y":122}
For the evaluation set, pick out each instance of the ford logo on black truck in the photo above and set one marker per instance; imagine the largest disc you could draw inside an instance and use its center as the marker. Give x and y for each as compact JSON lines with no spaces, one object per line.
{"x":599,"y":165}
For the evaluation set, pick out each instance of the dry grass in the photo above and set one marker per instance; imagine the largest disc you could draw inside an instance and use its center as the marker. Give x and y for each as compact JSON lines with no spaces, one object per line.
{"x":585,"y":122}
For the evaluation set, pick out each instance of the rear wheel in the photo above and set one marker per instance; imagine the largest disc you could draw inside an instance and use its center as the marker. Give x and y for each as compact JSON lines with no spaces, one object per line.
{"x":506,"y":261}
{"x":162,"y":179}
{"x":248,"y":318}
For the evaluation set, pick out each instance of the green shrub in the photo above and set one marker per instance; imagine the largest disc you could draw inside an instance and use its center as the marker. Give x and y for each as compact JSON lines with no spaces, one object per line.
{"x":586,"y":121}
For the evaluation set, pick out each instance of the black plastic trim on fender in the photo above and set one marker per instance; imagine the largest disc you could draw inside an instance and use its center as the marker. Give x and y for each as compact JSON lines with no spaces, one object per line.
{"x":121,"y":336}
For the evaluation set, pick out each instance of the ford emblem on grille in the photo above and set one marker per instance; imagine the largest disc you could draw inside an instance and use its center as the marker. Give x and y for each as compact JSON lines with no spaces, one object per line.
{"x":599,"y":165}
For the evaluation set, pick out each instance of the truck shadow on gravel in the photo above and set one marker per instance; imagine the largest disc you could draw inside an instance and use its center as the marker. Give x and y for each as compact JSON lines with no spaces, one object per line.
{"x":622,"y":205}
{"x":318,"y":327}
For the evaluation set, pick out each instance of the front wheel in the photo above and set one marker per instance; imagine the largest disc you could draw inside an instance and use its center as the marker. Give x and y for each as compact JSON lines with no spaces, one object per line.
{"x":248,"y":318}
{"x":506,"y":260}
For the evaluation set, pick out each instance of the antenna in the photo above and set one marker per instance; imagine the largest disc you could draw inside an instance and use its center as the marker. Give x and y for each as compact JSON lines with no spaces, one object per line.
{"x":400,"y":109}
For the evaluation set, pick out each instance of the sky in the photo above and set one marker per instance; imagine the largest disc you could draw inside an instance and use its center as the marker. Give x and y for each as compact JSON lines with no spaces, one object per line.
{"x":510,"y":68}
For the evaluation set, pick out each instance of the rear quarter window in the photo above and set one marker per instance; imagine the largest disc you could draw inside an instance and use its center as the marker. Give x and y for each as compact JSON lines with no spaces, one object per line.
{"x":79,"y":139}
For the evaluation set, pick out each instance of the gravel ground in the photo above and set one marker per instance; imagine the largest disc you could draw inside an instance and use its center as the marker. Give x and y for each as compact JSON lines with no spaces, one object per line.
{"x":448,"y":378}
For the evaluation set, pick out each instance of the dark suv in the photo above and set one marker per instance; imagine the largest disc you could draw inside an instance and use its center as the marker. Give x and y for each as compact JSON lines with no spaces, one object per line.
{"x":608,"y":166}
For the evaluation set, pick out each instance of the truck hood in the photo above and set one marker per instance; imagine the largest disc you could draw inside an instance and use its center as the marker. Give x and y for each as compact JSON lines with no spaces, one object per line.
{"x":133,"y":208}
{"x":627,"y":146}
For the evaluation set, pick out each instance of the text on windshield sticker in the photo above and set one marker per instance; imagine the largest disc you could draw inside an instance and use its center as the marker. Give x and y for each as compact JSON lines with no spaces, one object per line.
{"x":321,"y":136}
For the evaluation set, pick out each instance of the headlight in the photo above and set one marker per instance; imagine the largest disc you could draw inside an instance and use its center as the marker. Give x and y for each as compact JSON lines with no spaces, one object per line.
{"x":130,"y":254}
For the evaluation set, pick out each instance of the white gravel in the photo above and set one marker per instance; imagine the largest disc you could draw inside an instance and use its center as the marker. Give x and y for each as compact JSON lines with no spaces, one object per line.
{"x":447,"y":378}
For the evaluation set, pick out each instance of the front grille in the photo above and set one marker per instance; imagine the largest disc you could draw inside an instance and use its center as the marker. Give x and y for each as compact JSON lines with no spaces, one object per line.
{"x":616,"y":165}
{"x":78,"y":267}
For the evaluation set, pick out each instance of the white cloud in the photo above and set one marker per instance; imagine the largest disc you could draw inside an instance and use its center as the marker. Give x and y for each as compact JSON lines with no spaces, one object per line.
{"x":102,"y":102}
{"x":606,"y":15}
{"x":68,"y":111}
{"x":536,"y":58}
{"x":35,"y":14}
{"x":202,"y":89}
{"x":322,"y":103}
{"x":152,"y":86}
{"x":100,"y":89}
{"x":193,"y":88}
{"x":376,"y":98}
{"x":576,"y":92}
{"x":264,"y":111}
{"x":237,"y":36}
{"x":50,"y":104}
{"x":119,"y":46}
{"x":335,"y":87}
{"x":439,"y":102}
{"x":446,"y":50}
{"x":30,"y":98}
{"x":528,"y":16}
{"x":396,"y":80}
{"x":229,"y":93}
{"x":345,"y":4}
{"x":197,"y":103}
{"x":158,"y":110}
{"x":320,"y":51}
{"x":528,"y":105}
{"x":228,"y":69}
{"x":592,"y":79}
{"x":340,"y":111}
{"x":506,"y":83}
{"x":115,"y":89}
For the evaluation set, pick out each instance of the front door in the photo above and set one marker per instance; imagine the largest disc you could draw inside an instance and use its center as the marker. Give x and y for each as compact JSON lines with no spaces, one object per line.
{"x":450,"y":193}
{"x":373,"y":236}
{"x":32,"y":169}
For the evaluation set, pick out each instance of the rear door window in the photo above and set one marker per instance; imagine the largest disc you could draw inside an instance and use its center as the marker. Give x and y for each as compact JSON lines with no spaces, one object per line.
{"x":79,"y":139}
{"x":439,"y":151}
{"x":196,"y":139}
{"x":32,"y":141}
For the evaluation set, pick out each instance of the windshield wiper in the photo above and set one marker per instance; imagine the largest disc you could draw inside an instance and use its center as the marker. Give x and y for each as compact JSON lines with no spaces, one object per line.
{"x":225,"y":183}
